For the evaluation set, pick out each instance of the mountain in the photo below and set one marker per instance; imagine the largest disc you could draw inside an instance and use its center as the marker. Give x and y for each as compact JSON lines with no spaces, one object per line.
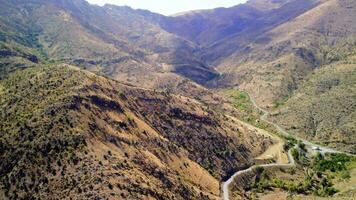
{"x":275,"y":50}
{"x":116,"y":103}
{"x":264,"y":46}
{"x":115,"y":41}
{"x":69,"y":132}
{"x":272,"y":65}
{"x":209,"y":27}
{"x":308,"y":64}
{"x":322,"y":109}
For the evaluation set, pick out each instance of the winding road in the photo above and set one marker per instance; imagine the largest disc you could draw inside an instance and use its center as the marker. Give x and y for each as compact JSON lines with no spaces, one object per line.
{"x":285,"y":133}
{"x":225,"y":187}
{"x":264,"y":116}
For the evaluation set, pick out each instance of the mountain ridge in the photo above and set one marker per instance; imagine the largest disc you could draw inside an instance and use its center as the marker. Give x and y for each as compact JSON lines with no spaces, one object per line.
{"x":82,"y":123}
{"x":112,"y":102}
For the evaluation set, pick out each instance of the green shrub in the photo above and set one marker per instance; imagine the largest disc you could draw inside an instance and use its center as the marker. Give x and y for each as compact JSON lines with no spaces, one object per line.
{"x":345,"y":175}
{"x":327,"y":191}
{"x":336,"y":162}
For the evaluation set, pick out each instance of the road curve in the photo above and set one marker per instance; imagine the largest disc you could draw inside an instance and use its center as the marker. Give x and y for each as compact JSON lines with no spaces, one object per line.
{"x":265,"y":113}
{"x":225,"y":187}
{"x":285,"y":133}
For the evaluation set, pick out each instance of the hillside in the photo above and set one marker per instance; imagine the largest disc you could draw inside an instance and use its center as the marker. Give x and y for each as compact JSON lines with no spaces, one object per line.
{"x":277,"y":50}
{"x":262,"y":46}
{"x":323,"y":108}
{"x":273,"y":65}
{"x":209,"y":27}
{"x":116,"y":41}
{"x":68,"y":132}
{"x":110,"y":102}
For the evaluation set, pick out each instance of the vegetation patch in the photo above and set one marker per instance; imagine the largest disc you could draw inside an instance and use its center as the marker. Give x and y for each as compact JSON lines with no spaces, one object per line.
{"x":245,"y":110}
{"x":239,"y":99}
{"x":317,"y":178}
{"x":333,"y":163}
{"x":280,"y":103}
{"x":323,"y":106}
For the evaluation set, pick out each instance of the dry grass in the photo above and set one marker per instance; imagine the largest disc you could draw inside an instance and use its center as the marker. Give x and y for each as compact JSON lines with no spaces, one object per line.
{"x":134,"y":143}
{"x":322,"y":108}
{"x":274,"y":151}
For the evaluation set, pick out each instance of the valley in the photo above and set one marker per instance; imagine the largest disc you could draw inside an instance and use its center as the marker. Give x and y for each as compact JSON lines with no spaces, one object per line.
{"x":254,"y":101}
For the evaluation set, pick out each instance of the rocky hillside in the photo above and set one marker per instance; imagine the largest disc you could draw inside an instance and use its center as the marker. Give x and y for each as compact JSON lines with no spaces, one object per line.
{"x":323,"y":108}
{"x":276,"y":50}
{"x":274,"y":63}
{"x":262,"y":46}
{"x":70,"y":132}
{"x":139,"y":116}
{"x":112,"y":40}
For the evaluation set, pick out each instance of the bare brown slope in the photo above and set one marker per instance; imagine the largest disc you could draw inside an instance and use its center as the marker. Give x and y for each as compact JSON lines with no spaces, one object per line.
{"x":272,"y":66}
{"x":69,"y":133}
{"x":210,"y":27}
{"x":116,"y":41}
{"x":323,"y":108}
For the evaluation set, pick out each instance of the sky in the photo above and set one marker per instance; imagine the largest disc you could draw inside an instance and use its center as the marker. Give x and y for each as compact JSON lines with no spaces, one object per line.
{"x":168,"y":7}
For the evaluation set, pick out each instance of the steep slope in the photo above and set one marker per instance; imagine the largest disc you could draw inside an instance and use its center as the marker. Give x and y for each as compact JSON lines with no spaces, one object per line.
{"x":210,"y":27}
{"x":278,"y":47}
{"x":262,"y":43}
{"x":323,"y":107}
{"x":70,"y":133}
{"x":116,"y":41}
{"x":267,"y":47}
{"x":273,"y":65}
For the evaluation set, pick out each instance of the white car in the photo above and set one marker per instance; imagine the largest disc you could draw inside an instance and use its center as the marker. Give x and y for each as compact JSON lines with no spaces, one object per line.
{"x":316,"y":148}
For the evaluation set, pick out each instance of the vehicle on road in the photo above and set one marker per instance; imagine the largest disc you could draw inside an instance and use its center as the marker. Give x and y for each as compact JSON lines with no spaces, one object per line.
{"x":316,"y":148}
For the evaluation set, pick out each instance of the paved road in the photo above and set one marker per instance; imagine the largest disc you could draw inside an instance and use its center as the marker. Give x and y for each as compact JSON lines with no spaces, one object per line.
{"x":285,"y":133}
{"x":265,"y":113}
{"x":225,"y":187}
